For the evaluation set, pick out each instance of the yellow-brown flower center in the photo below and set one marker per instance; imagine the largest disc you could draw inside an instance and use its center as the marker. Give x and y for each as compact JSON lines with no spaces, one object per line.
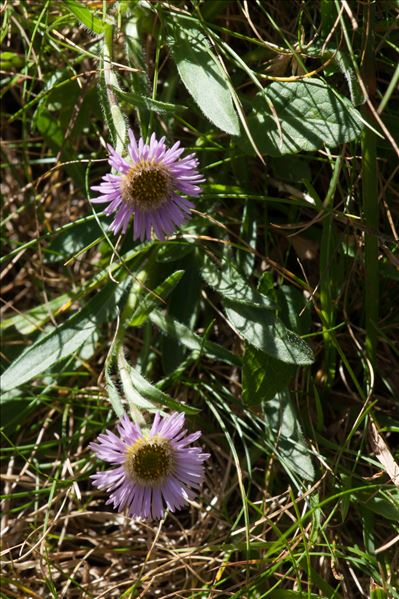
{"x":149,"y":461}
{"x":146,"y":185}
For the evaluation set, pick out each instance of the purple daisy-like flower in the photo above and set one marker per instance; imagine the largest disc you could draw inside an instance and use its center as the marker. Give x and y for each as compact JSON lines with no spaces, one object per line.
{"x":154,"y":469}
{"x":148,"y":185}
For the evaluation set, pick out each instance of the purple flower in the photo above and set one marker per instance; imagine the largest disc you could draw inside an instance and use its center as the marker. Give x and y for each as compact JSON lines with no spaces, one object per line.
{"x":149,"y":184}
{"x":154,"y":468}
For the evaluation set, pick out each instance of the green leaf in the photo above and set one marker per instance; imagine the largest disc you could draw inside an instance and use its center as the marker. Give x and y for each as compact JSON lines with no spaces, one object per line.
{"x":153,"y":394}
{"x":56,"y":113}
{"x":139,"y":81}
{"x":345,"y":65}
{"x":141,"y":101}
{"x":127,"y":376}
{"x":173,"y":251}
{"x":11,"y":60}
{"x":260,"y":327}
{"x":263,"y":376}
{"x":286,"y":434}
{"x":248,"y":233}
{"x":191,"y":340}
{"x":69,"y":242}
{"x":14,"y":396}
{"x":113,"y":393}
{"x":310,"y":114}
{"x":63,"y":340}
{"x":231,"y":285}
{"x":378,"y":593}
{"x":202,"y":74}
{"x":30,"y":321}
{"x":291,"y":305}
{"x":85,"y":16}
{"x":154,"y":298}
{"x":386,"y":506}
{"x":114,"y":116}
{"x":293,"y":309}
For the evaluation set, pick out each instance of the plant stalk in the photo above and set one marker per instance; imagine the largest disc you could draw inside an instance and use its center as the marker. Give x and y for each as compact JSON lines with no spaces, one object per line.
{"x":370,"y":196}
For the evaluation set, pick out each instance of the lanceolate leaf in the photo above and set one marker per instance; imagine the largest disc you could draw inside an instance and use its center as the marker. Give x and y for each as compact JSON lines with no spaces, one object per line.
{"x":63,"y":340}
{"x":202,"y":74}
{"x":142,"y":101}
{"x":85,"y":16}
{"x":30,"y":321}
{"x":263,"y":376}
{"x":310,"y":113}
{"x":263,"y":329}
{"x":284,"y":430}
{"x":232,"y":285}
{"x":153,"y":394}
{"x":154,"y":298}
{"x":191,"y":340}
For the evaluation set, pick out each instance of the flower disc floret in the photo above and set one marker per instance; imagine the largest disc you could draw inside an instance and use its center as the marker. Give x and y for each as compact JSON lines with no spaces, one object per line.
{"x":146,"y":186}
{"x":149,"y":184}
{"x":153,"y":470}
{"x":149,"y":461}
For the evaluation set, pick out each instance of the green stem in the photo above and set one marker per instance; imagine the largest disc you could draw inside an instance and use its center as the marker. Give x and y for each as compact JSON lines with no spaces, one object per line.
{"x":131,"y":303}
{"x":116,"y":354}
{"x":328,"y":277}
{"x":155,"y":79}
{"x":139,"y":78}
{"x":111,"y":81}
{"x":370,"y":199}
{"x":390,"y":89}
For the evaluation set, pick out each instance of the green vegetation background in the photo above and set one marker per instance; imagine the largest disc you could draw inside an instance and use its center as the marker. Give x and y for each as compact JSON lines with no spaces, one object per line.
{"x":271,"y":318}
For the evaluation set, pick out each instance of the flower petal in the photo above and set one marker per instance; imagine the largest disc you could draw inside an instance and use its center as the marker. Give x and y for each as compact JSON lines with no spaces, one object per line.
{"x":173,"y":488}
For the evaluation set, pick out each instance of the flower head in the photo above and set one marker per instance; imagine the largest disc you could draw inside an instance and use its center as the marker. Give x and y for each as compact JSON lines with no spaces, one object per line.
{"x":153,"y":469}
{"x":148,"y":184}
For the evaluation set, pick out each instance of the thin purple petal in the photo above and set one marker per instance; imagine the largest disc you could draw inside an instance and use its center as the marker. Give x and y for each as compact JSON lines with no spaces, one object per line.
{"x":172,"y":490}
{"x":173,"y":210}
